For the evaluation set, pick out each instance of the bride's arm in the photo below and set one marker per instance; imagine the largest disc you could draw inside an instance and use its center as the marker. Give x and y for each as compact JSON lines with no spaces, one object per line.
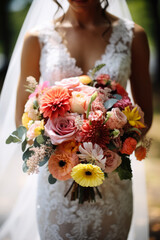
{"x":29,"y":67}
{"x":140,"y":77}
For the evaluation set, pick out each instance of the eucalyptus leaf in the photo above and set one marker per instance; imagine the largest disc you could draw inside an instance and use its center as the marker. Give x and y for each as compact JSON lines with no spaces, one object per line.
{"x":40,"y":139}
{"x":51,"y":179}
{"x":12,"y":139}
{"x":21,"y":130}
{"x":117,"y":96}
{"x":24,"y":144}
{"x":17,"y":136}
{"x":27,"y":154}
{"x":110,"y":102}
{"x":24,"y":167}
{"x":45,"y":160}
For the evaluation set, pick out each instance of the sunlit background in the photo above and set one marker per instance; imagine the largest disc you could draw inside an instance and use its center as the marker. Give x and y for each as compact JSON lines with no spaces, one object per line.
{"x":147,"y":14}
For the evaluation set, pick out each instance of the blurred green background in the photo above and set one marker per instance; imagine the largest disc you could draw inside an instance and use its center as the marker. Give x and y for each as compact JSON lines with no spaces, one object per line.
{"x":145,"y":13}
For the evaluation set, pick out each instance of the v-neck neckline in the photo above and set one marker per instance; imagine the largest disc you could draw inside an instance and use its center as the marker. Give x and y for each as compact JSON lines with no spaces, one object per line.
{"x":98,"y":60}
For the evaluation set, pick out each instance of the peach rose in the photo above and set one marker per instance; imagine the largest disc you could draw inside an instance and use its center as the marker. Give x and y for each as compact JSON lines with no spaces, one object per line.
{"x":117,"y":119}
{"x":113,"y":161}
{"x":79,"y":102}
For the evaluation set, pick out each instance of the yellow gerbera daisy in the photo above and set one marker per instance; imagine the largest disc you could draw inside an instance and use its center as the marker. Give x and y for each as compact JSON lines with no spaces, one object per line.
{"x":87,"y":175}
{"x":133,"y":117}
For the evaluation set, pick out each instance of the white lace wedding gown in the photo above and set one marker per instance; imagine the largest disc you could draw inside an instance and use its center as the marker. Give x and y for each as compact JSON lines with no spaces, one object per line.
{"x":110,"y":217}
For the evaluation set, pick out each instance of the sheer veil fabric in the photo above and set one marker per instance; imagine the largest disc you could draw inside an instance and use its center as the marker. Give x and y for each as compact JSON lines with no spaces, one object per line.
{"x":21,"y":223}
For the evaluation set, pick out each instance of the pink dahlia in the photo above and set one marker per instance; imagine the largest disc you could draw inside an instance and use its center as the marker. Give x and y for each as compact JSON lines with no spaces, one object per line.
{"x":55,"y":102}
{"x":96,"y":132}
{"x":124,"y":102}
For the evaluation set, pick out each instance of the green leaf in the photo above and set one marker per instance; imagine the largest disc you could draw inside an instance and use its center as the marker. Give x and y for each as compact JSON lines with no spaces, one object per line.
{"x":124,"y":170}
{"x":93,"y":97}
{"x":111,"y":146}
{"x":96,"y":69}
{"x":51,"y":179}
{"x":24,"y":144}
{"x":24,"y":167}
{"x":20,"y":132}
{"x":27,"y":154}
{"x":17,"y":136}
{"x":110,"y":102}
{"x":35,"y":104}
{"x":40,"y":139}
{"x":45,"y":160}
{"x":12,"y":139}
{"x":134,"y":130}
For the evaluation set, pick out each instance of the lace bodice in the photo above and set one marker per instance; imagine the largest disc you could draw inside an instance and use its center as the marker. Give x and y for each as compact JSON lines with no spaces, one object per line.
{"x":58,"y":217}
{"x":56,"y":62}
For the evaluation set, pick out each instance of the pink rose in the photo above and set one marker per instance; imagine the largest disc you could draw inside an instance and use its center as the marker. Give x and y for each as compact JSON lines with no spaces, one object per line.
{"x":117,"y":119}
{"x":61,"y":129}
{"x":113,"y":161}
{"x":85,"y":89}
{"x":69,"y":83}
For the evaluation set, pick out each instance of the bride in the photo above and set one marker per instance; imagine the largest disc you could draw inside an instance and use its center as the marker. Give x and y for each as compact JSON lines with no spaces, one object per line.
{"x":84,"y":36}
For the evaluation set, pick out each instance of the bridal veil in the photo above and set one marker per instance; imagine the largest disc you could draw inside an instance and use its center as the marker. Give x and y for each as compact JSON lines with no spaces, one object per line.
{"x":20,"y":191}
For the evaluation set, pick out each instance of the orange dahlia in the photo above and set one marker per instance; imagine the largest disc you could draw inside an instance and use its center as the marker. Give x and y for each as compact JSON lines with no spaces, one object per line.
{"x":61,"y":163}
{"x":55,"y":102}
{"x":129,"y":146}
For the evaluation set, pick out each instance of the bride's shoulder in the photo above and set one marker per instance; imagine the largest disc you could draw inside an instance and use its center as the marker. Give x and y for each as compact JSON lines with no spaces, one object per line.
{"x":140,"y":39}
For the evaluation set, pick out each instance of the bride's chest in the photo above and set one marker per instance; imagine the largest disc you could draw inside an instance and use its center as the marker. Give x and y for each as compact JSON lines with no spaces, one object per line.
{"x":56,"y":61}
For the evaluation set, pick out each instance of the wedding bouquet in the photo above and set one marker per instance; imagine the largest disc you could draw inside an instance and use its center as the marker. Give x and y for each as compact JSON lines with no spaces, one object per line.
{"x":83,"y":128}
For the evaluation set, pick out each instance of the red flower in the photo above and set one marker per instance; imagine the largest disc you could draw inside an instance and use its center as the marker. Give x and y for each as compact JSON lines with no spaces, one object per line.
{"x":117,"y":87}
{"x":96,"y":132}
{"x":129,"y":146}
{"x":120,"y":90}
{"x":140,"y":153}
{"x":55,"y":102}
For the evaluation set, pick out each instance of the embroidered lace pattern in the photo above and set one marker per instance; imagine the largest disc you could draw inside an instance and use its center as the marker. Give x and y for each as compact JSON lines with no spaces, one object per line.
{"x":108,"y":218}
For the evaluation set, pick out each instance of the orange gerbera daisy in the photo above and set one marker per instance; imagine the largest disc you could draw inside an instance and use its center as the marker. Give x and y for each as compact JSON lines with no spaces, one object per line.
{"x":55,"y":102}
{"x":61,"y":163}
